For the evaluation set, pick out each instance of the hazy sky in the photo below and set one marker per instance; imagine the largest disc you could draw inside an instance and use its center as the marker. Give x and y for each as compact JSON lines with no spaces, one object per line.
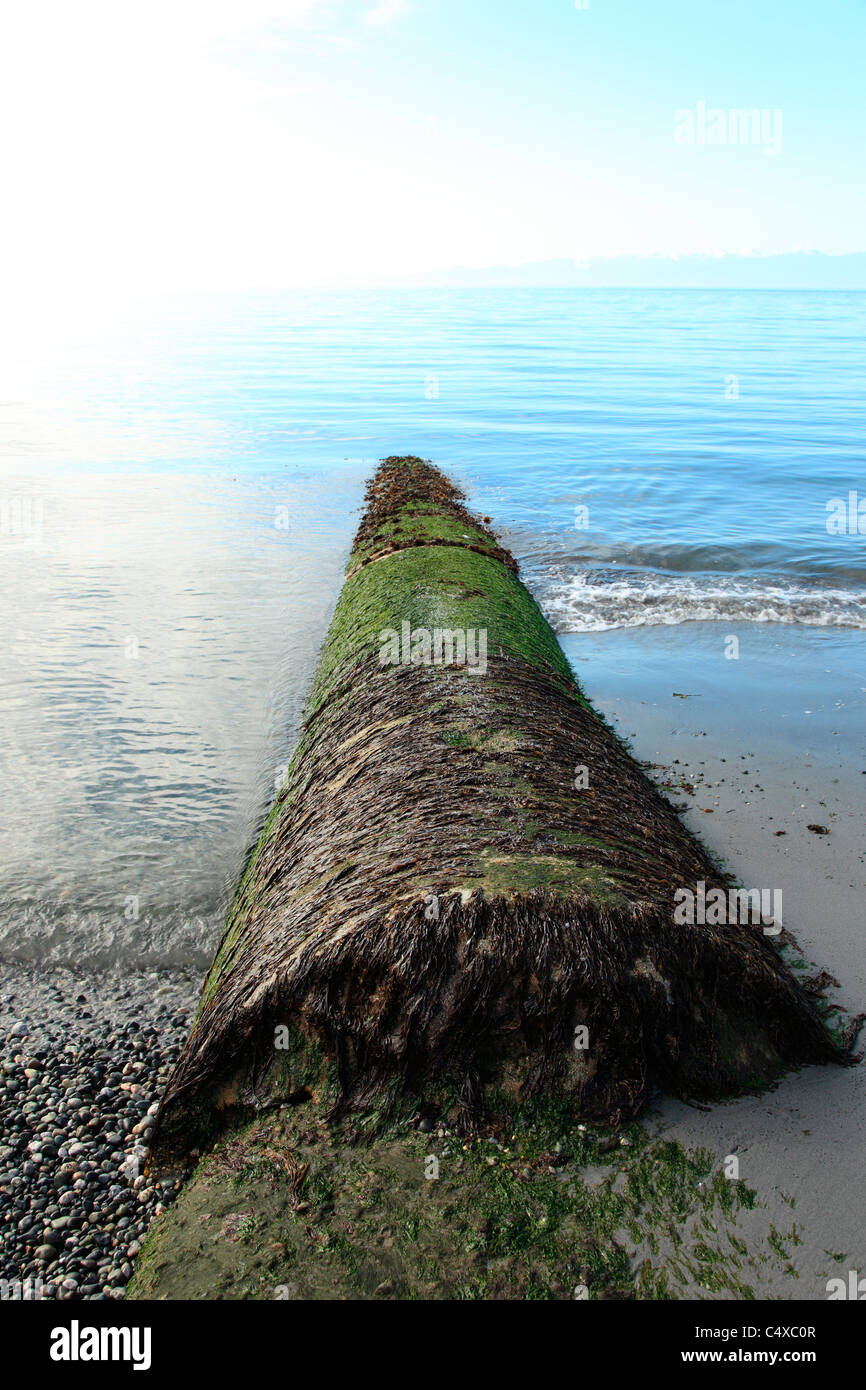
{"x":240,"y":143}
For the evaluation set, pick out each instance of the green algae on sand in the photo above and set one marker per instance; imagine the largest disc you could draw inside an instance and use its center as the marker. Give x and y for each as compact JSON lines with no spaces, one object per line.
{"x":537,"y":1207}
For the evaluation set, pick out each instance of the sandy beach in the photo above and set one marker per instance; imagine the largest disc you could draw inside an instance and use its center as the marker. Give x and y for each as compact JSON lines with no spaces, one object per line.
{"x":772,"y":742}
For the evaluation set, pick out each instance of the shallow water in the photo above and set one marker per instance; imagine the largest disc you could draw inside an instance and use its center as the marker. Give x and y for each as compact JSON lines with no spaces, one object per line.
{"x":179,"y":491}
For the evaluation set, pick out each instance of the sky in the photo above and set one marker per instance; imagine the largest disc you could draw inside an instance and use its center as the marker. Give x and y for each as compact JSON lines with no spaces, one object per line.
{"x":256,"y":144}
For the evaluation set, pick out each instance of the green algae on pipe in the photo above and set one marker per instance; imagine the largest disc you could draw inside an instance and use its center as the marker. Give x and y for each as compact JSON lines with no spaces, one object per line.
{"x":466,"y":884}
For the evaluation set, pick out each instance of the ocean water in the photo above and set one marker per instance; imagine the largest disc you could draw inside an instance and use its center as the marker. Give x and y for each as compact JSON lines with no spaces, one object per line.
{"x":179,"y":487}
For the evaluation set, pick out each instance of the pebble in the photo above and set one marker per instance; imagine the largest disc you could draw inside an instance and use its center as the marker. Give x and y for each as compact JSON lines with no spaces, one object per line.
{"x":79,"y":1088}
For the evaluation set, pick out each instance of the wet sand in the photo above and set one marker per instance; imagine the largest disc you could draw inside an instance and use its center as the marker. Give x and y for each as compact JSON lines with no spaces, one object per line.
{"x":772,"y":742}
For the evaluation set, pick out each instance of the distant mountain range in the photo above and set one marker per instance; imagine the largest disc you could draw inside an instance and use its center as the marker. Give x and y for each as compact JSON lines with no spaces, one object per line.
{"x":798,"y":270}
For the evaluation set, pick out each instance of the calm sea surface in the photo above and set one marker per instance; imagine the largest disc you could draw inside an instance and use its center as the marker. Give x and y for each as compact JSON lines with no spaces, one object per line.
{"x":178,"y":494}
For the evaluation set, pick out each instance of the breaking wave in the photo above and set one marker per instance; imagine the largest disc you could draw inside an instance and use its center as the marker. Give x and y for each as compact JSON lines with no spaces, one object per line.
{"x":596,"y":600}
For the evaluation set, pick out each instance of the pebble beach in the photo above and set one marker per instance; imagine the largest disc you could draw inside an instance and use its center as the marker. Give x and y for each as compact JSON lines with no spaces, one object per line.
{"x":82,"y":1062}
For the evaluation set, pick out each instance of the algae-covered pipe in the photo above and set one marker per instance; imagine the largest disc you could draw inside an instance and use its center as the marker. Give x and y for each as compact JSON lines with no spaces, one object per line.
{"x":466,"y":883}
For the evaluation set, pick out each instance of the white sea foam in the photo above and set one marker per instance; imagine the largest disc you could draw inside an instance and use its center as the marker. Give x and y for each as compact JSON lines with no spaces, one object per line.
{"x":595,"y":601}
